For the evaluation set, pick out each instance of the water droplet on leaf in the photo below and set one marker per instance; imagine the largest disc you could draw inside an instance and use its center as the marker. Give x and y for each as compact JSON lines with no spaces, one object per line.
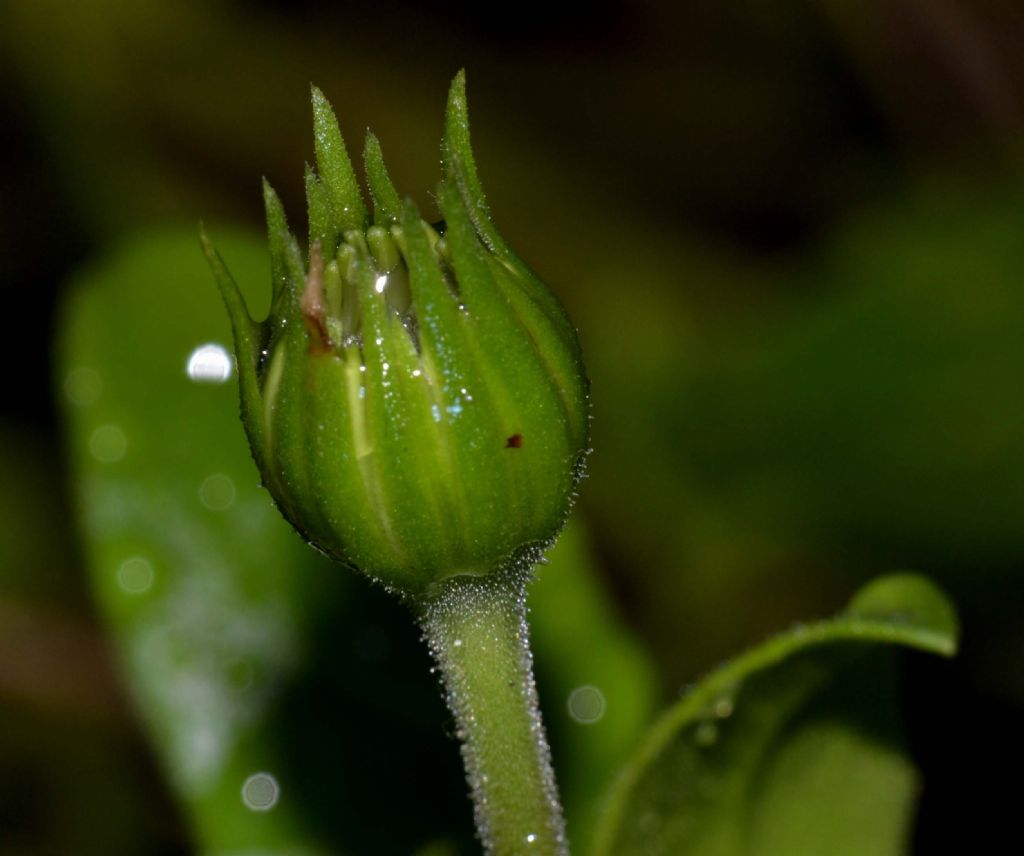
{"x":586,"y":705}
{"x":108,"y":444}
{"x":260,"y":792}
{"x":135,"y":575}
{"x":209,"y":363}
{"x":217,"y":492}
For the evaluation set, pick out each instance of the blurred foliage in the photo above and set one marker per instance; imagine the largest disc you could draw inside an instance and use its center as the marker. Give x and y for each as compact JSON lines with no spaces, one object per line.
{"x":786,"y":230}
{"x":794,"y":748}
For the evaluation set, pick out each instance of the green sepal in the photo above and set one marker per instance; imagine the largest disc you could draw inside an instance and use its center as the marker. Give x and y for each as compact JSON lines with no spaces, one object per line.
{"x":335,"y":168}
{"x":459,"y":164}
{"x":246,"y":331}
{"x":248,"y":336}
{"x":443,"y":349}
{"x":494,"y":295}
{"x":286,"y":268}
{"x":459,"y":169}
{"x":387,"y":205}
{"x":322,"y":227}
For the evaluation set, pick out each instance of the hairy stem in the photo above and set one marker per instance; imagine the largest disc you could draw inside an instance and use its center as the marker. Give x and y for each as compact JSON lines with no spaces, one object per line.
{"x":476,"y":629}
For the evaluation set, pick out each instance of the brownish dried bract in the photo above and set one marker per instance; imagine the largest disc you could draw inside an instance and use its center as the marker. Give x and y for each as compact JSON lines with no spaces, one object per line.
{"x":312,"y":305}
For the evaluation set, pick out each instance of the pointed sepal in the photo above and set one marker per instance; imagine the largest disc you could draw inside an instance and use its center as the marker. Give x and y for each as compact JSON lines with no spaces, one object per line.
{"x":248,"y":337}
{"x":322,"y":228}
{"x":460,"y":165}
{"x":286,"y":267}
{"x":335,"y":168}
{"x":387,"y":205}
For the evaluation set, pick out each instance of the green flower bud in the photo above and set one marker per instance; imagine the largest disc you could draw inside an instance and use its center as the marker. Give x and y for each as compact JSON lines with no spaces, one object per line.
{"x":415,"y":400}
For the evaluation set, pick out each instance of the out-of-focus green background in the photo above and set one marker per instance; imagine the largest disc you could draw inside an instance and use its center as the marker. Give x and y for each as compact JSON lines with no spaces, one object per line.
{"x":791,"y":234}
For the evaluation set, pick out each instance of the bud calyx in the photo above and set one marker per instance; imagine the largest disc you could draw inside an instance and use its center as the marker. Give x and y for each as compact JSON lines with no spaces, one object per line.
{"x":415,"y":399}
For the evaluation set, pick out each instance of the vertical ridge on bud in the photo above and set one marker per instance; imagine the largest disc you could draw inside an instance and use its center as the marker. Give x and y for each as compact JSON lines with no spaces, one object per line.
{"x":505,"y":345}
{"x":441,"y":341}
{"x":373,"y":460}
{"x":494,"y":295}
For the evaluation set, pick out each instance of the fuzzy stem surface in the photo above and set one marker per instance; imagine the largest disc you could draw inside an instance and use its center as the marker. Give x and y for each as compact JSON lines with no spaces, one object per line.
{"x":477,"y":632}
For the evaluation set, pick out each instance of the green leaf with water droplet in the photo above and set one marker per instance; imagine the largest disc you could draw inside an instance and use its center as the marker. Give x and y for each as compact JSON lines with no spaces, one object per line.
{"x":792,"y":749}
{"x":206,"y":591}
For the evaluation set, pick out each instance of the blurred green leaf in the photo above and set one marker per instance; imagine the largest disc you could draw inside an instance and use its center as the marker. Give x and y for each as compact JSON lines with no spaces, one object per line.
{"x":910,"y":601}
{"x":598,"y":684}
{"x":207,"y":591}
{"x":792,"y":749}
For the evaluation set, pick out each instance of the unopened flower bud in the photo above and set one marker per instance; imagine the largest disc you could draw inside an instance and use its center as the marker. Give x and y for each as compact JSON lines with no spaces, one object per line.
{"x":415,"y":400}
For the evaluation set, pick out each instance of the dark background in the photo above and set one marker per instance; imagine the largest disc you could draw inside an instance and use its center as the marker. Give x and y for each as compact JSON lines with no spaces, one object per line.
{"x":791,"y":234}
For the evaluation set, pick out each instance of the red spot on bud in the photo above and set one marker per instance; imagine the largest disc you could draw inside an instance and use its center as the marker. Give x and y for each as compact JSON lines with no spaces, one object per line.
{"x":514,"y":442}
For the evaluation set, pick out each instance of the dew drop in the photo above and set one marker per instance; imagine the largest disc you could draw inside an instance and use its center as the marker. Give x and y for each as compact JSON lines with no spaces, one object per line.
{"x":531,"y":838}
{"x":457,"y":643}
{"x":135,"y":575}
{"x":83,"y":386}
{"x":108,"y":444}
{"x":724,"y":707}
{"x":217,"y":492}
{"x":209,"y":363}
{"x":380,"y":284}
{"x":260,"y":792}
{"x":586,"y":705}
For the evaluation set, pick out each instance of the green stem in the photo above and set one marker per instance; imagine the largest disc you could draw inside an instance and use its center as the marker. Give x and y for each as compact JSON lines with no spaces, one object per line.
{"x":477,"y":632}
